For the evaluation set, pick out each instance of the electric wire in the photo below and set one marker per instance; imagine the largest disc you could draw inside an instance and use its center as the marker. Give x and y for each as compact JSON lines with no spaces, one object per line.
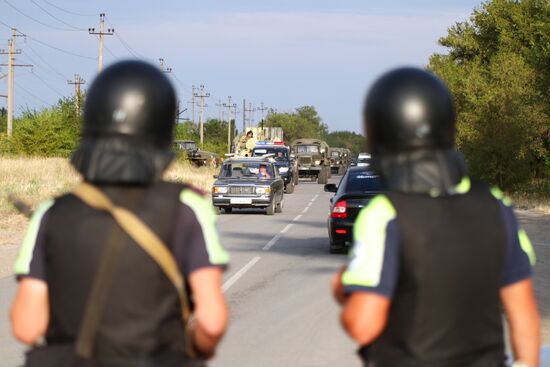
{"x":56,"y":18}
{"x":68,"y":11}
{"x":45,"y":62}
{"x":32,"y":94}
{"x":48,"y":85}
{"x":124,"y":43}
{"x":38,"y":21}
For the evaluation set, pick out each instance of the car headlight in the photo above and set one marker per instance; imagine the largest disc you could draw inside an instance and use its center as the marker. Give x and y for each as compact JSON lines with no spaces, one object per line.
{"x":283,"y":169}
{"x":220,"y":189}
{"x":263,"y":190}
{"x":317,"y":163}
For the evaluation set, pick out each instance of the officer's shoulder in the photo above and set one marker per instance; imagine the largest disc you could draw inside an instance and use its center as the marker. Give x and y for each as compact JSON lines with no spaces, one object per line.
{"x":379,"y":206}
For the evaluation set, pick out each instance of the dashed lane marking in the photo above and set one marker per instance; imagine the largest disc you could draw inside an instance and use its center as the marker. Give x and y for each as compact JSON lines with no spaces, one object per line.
{"x":298,"y":217}
{"x":238,"y":275}
{"x":306,"y":209}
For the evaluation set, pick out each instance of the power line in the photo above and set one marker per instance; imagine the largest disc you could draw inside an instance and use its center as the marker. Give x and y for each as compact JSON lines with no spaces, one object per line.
{"x":45,"y":62}
{"x":56,"y":18}
{"x":124,"y":43}
{"x":32,"y":94}
{"x":48,"y":85}
{"x":36,"y":20}
{"x":68,"y":11}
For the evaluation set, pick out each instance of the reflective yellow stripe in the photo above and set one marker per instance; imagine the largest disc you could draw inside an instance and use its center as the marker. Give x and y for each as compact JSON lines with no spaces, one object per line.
{"x":204,"y":212}
{"x":527,"y":247}
{"x":497,"y":193}
{"x":23,"y":262}
{"x":367,"y":256}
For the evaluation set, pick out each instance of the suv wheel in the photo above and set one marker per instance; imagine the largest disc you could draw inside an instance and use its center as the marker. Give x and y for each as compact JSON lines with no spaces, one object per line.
{"x":270,"y":210}
{"x":279,"y":207}
{"x":289,"y":188}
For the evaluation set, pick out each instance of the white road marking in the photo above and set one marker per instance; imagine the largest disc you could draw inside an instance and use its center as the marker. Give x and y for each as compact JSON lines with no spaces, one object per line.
{"x":315,"y":197}
{"x":297,"y":218}
{"x":272,"y":242}
{"x":306,"y":209}
{"x":239,"y":274}
{"x":287,"y":227}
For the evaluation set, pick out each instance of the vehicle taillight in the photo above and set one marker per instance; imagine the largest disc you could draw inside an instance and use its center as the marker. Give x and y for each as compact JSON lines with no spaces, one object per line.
{"x":340,"y":210}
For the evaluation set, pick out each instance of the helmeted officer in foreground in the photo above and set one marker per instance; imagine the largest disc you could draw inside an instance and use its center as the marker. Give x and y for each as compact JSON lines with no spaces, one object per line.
{"x":436,"y":257}
{"x":106,"y":271}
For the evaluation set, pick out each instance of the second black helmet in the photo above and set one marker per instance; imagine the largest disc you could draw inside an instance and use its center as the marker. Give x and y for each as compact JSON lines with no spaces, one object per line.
{"x":408,"y":109}
{"x":134,"y":99}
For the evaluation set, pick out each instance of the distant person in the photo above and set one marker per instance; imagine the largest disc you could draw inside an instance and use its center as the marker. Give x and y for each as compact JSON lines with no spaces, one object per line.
{"x":438,"y":255}
{"x":264,"y":173}
{"x":106,"y":286}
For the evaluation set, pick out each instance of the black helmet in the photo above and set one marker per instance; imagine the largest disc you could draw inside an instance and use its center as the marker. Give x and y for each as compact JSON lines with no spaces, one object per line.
{"x":407,"y":109}
{"x":129,"y":118}
{"x":410,"y":127}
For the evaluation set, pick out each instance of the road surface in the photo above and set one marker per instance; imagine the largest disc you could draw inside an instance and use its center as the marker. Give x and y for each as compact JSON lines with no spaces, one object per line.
{"x":278,"y":288}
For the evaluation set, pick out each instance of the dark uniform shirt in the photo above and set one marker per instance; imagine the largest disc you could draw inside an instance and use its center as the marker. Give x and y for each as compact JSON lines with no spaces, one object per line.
{"x":422,"y":270}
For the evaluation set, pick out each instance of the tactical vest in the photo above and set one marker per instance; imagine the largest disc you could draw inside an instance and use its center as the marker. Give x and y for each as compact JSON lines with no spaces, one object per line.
{"x":446,"y":310}
{"x":142,"y":317}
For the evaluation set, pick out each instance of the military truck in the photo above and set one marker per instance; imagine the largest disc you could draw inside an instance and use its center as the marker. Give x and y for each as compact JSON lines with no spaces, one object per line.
{"x":339,"y":160}
{"x":313,"y":160}
{"x":196,"y":155}
{"x":243,"y":146}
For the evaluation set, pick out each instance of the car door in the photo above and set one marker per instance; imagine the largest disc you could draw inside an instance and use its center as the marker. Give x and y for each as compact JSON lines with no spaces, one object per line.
{"x":278,"y":183}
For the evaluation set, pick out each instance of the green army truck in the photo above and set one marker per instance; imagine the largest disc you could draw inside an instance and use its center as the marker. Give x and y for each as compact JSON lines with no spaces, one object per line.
{"x":312,"y":158}
{"x":196,"y":155}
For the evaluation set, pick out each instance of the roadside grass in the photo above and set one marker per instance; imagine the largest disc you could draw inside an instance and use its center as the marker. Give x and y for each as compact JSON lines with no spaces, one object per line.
{"x":34,"y":180}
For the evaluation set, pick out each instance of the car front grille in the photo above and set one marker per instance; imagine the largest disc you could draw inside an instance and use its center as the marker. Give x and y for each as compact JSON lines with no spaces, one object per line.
{"x":241,"y":190}
{"x":304,"y":160}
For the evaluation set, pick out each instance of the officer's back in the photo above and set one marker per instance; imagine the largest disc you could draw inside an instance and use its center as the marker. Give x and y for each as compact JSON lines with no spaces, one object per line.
{"x":128,"y":129}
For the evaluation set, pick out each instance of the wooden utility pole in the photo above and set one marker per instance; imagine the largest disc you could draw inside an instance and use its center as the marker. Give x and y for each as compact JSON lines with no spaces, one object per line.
{"x":163,"y":67}
{"x":250,"y":111}
{"x":202,"y":95}
{"x":11,"y":73}
{"x":193,"y":104}
{"x":78,"y":81}
{"x":262,"y":109}
{"x":229,"y":106}
{"x":101,"y":33}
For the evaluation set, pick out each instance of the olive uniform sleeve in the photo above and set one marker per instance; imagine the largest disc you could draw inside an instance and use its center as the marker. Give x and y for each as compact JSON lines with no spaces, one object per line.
{"x":196,"y":240}
{"x":374,"y":262}
{"x":520,"y":255}
{"x":31,"y":261}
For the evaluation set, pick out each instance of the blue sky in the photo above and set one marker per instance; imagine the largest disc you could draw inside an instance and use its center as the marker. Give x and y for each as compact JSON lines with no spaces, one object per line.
{"x":285,"y":53}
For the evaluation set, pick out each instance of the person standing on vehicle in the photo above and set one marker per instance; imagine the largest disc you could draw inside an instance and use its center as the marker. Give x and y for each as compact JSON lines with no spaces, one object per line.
{"x":437,"y":255}
{"x":90,"y":284}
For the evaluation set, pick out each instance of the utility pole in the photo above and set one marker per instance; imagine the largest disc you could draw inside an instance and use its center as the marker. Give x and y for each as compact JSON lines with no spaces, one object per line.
{"x":202,"y":95}
{"x":229,"y":106}
{"x":78,"y":81}
{"x":163,"y":67}
{"x":101,"y":33}
{"x":11,"y":71}
{"x":250,"y":111}
{"x":220,"y":111}
{"x":193,"y":105}
{"x":262,"y":109}
{"x":244,"y":115}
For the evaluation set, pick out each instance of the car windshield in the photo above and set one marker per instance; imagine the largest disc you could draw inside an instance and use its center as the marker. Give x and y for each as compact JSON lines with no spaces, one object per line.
{"x":335,"y":154}
{"x":363,"y":181}
{"x":247,"y":170}
{"x":307,"y":149}
{"x":279,"y":154}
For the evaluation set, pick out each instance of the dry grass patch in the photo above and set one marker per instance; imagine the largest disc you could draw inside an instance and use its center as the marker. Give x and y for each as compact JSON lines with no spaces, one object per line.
{"x":37,"y":179}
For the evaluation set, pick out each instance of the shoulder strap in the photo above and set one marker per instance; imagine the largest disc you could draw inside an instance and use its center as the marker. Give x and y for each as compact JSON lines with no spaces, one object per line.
{"x":148,"y":241}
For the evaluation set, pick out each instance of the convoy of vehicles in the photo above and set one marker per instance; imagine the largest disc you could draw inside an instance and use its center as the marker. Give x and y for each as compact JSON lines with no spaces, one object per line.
{"x":249,"y":182}
{"x":284,"y":162}
{"x":356,"y":188}
{"x":313,"y":160}
{"x":340,"y":159}
{"x":364,"y":160}
{"x":196,"y":155}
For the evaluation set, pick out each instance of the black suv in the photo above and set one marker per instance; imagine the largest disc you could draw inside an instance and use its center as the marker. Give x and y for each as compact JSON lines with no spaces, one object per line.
{"x":252,"y":182}
{"x":285,"y":164}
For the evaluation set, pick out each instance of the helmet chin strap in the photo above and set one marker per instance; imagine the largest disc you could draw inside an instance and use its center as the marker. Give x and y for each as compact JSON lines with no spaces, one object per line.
{"x":422,"y":171}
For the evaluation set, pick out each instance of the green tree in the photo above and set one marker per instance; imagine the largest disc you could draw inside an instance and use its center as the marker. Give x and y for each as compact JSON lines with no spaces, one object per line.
{"x":304,"y":122}
{"x":347,"y":139}
{"x":498,"y":69}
